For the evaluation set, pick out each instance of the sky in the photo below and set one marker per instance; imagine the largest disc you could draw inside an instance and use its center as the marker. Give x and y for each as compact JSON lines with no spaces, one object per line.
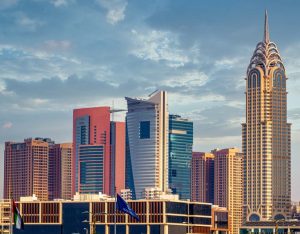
{"x":57,"y":55}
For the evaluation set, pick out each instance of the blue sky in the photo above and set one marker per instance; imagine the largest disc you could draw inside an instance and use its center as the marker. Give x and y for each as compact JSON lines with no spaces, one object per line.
{"x":57,"y":55}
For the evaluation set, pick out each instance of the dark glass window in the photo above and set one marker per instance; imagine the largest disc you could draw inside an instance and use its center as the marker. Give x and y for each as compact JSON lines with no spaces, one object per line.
{"x":200,"y":209}
{"x":198,"y":220}
{"x":155,"y":229}
{"x":73,"y":215}
{"x":144,"y":129}
{"x":176,"y":219}
{"x":137,"y":229}
{"x":174,"y":173}
{"x":176,"y":208}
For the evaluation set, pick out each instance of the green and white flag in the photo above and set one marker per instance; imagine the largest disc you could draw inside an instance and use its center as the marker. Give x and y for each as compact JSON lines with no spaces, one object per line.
{"x":17,"y":217}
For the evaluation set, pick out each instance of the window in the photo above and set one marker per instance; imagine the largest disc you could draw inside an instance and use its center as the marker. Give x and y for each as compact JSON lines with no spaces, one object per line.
{"x":144,"y":129}
{"x":174,"y":173}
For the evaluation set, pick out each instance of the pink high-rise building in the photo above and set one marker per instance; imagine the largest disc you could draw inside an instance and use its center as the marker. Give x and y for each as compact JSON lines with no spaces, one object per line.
{"x":117,"y":156}
{"x":99,"y":151}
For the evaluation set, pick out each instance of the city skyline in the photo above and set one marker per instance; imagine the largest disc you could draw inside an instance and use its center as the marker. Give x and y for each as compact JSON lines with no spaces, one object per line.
{"x":200,"y":61}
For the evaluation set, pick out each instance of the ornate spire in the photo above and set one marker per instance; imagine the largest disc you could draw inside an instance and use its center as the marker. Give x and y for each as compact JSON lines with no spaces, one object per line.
{"x":266,"y":29}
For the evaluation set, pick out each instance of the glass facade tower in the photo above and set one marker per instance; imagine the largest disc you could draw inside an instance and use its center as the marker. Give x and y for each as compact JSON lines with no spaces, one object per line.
{"x":147,"y":143}
{"x":180,"y":155}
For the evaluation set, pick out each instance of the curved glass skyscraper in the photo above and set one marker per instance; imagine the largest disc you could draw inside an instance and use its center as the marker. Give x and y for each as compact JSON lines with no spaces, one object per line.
{"x":147,"y":144}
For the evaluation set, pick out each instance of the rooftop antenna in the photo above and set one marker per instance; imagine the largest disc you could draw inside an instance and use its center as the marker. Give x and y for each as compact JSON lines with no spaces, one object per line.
{"x":266,"y":29}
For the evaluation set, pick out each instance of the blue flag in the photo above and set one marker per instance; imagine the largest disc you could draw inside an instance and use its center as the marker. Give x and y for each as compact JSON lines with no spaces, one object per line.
{"x":123,"y":207}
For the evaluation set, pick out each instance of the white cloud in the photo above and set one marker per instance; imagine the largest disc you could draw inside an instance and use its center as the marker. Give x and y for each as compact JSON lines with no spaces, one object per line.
{"x":28,"y":23}
{"x":115,"y":10}
{"x":59,"y":3}
{"x":7,"y":125}
{"x":159,"y":46}
{"x":7,"y":3}
{"x":34,"y":64}
{"x":228,"y":63}
{"x":189,"y":79}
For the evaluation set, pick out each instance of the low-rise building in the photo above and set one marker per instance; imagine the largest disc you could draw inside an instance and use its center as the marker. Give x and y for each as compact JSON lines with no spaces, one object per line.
{"x":156,"y":217}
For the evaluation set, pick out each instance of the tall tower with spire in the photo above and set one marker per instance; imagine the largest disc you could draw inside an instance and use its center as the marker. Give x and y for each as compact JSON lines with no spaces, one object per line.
{"x":266,"y":136}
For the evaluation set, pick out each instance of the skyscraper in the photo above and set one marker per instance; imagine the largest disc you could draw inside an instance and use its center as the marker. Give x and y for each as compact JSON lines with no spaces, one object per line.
{"x":60,"y":171}
{"x":266,"y":136}
{"x":66,"y":154}
{"x":147,"y":143}
{"x":91,"y":126}
{"x":99,"y":151}
{"x":26,"y":169}
{"x":180,"y":155}
{"x":202,"y":177}
{"x":228,"y":191}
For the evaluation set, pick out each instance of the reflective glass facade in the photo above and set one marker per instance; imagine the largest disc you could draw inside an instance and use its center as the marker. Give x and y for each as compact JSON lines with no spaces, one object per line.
{"x":91,"y":168}
{"x":147,"y":144}
{"x":180,"y":155}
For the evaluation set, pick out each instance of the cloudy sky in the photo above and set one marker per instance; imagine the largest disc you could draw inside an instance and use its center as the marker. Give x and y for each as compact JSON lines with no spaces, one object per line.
{"x":56,"y":55}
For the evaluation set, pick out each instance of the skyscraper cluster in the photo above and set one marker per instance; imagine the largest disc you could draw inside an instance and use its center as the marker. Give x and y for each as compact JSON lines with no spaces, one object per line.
{"x":217,"y":178}
{"x":37,"y":166}
{"x":151,"y":153}
{"x":147,"y":155}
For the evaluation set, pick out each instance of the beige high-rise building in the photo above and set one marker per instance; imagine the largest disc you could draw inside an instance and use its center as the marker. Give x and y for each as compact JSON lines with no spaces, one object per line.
{"x":229,"y":184}
{"x":266,"y":136}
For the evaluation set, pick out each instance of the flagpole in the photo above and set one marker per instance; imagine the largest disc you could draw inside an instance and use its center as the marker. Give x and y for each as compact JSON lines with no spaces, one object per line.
{"x":115,"y":218}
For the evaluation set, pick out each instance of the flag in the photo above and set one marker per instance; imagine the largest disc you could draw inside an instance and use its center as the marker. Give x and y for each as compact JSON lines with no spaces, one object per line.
{"x":123,"y":207}
{"x":17,"y":217}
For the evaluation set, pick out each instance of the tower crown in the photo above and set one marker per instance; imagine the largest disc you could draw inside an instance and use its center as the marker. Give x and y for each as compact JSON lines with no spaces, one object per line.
{"x":266,"y":54}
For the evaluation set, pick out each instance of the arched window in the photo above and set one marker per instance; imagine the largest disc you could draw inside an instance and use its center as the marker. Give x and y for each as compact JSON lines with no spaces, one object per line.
{"x":279,"y":79}
{"x":254,"y":218}
{"x":249,"y":82}
{"x":254,"y":79}
{"x":279,"y":217}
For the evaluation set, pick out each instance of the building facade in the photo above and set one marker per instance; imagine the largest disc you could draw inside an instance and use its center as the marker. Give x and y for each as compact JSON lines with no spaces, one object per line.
{"x":117,"y":142}
{"x":26,"y":169}
{"x":91,"y":126}
{"x":266,"y":136}
{"x":202,"y":177}
{"x":91,"y":169}
{"x":228,"y":191}
{"x":147,"y":143}
{"x":180,"y":155}
{"x":92,"y":130}
{"x":156,"y":217}
{"x":66,"y":155}
{"x":60,"y":171}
